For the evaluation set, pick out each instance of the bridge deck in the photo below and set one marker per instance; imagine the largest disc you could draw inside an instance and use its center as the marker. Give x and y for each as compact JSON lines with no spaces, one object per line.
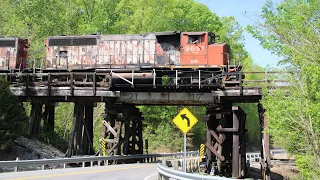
{"x":67,"y":94}
{"x":98,"y":87}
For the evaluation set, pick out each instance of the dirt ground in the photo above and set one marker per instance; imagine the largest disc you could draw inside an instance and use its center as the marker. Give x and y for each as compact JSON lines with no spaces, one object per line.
{"x":28,"y":149}
{"x":278,"y":172}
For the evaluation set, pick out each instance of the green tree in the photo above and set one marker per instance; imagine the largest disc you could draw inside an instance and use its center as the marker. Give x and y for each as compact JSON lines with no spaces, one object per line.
{"x":12,"y":116}
{"x":160,"y":130}
{"x":291,"y":31}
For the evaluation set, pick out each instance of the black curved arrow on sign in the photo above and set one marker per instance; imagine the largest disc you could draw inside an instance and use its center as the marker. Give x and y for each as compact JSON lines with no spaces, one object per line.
{"x":184,"y":117}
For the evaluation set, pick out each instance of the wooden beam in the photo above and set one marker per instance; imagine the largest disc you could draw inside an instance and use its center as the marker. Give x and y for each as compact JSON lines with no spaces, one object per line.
{"x":31,"y":121}
{"x":112,"y":140}
{"x":109,"y":128}
{"x":216,"y":137}
{"x":235,"y":148}
{"x":215,"y":152}
{"x":70,"y":150}
{"x":49,"y":115}
{"x":227,"y":130}
{"x":89,"y":124}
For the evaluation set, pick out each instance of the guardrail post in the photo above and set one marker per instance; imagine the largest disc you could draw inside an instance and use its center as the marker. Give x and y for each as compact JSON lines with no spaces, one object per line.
{"x":64,"y":165}
{"x":162,"y":177}
{"x":83,"y":164}
{"x":16,"y":168}
{"x":175,"y":164}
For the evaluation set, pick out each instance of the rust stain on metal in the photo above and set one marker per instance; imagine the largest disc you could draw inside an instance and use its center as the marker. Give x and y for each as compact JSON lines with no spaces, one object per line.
{"x":108,"y":51}
{"x":164,"y":49}
{"x":13,"y":54}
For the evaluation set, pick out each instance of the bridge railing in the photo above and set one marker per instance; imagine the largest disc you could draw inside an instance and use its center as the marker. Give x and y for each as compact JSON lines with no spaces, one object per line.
{"x":99,"y":160}
{"x":267,"y":78}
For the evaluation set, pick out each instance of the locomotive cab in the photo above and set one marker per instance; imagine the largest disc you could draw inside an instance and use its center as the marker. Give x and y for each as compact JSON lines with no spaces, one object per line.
{"x":194,"y":49}
{"x":201,"y":49}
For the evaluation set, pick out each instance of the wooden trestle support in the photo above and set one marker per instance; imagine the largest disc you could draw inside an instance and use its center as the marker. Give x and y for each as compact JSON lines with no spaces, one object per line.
{"x":226,"y":151}
{"x":81,"y":136}
{"x":122,"y":131}
{"x":41,"y":111}
{"x":265,"y":149}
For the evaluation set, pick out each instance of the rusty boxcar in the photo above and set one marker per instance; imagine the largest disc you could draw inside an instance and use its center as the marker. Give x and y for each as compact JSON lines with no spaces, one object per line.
{"x":13,"y":54}
{"x":151,"y":50}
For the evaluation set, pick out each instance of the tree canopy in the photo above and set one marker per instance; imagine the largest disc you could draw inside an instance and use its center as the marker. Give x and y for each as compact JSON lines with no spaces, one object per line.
{"x":291,"y":30}
{"x":37,"y":19}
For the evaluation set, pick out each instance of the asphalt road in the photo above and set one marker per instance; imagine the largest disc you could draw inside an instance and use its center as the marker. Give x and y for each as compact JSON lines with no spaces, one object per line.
{"x":146,"y":171}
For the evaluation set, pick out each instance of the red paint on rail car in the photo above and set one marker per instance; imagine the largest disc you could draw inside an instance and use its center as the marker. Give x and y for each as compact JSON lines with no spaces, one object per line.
{"x":151,"y":50}
{"x":13,"y":54}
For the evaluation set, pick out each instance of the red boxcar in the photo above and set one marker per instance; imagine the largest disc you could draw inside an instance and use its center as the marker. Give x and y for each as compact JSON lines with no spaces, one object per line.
{"x":151,"y":50}
{"x":13,"y":54}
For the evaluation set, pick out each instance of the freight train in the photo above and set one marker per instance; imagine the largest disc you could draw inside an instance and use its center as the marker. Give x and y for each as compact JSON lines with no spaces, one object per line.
{"x":167,"y":53}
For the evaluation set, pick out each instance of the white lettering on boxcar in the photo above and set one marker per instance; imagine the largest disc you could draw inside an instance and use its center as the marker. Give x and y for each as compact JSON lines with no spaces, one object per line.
{"x":194,"y":48}
{"x":194,"y":61}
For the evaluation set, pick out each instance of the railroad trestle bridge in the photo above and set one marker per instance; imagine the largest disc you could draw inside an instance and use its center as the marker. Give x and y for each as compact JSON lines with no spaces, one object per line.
{"x":122,"y":124}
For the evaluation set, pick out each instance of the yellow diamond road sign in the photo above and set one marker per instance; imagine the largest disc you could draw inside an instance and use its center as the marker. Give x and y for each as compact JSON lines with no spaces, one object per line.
{"x":185,"y":120}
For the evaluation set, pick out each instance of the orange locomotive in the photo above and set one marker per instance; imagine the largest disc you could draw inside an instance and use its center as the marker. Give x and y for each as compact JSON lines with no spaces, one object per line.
{"x":13,"y":54}
{"x":186,"y":52}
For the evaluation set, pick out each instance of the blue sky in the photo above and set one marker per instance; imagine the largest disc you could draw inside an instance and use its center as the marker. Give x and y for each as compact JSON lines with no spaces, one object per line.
{"x":236,"y":8}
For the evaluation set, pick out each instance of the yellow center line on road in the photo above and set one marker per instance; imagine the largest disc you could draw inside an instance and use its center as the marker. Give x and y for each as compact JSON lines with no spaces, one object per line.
{"x":77,"y":173}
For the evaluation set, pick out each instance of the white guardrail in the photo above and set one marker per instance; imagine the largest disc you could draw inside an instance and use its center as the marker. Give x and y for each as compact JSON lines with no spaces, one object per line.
{"x":91,"y":159}
{"x":166,"y":173}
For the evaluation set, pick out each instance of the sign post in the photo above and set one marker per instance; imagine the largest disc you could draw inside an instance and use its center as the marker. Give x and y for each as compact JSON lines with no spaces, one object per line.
{"x":185,"y":152}
{"x":185,"y":120}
